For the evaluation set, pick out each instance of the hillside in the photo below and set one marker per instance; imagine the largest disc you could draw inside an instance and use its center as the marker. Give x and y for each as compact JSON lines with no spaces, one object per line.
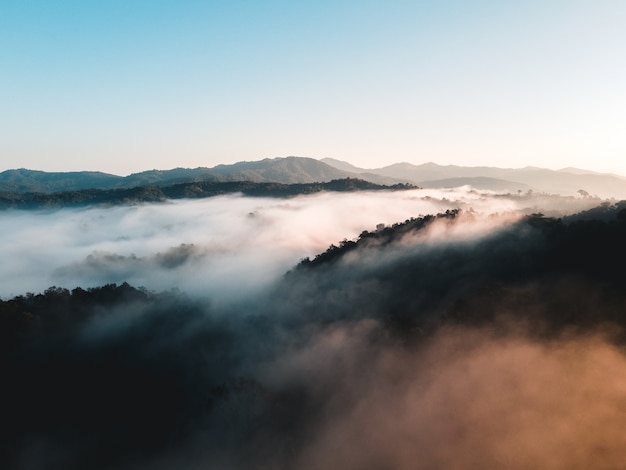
{"x":22,"y":180}
{"x":472,"y":280}
{"x":202,"y":189}
{"x":299,"y":170}
{"x":289,"y":170}
{"x":565,"y":182}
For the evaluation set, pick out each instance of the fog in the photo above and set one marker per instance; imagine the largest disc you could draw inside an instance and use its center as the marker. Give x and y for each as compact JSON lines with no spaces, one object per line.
{"x":474,"y":339}
{"x":216,"y":246}
{"x":469,"y":399}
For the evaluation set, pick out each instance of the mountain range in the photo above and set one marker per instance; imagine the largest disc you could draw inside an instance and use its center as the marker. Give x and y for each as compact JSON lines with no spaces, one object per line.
{"x":566,"y":182}
{"x":299,"y":170}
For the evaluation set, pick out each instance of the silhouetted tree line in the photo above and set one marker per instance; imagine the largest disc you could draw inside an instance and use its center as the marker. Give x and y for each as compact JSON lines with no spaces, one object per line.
{"x":381,"y":237}
{"x":572,"y":259}
{"x":202,"y":189}
{"x":59,"y":309}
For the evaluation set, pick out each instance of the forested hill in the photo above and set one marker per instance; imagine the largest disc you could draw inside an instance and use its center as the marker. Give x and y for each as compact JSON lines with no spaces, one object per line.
{"x":288,"y":170}
{"x":118,"y":377}
{"x":141,"y":194}
{"x":538,"y":260}
{"x":392,"y":234}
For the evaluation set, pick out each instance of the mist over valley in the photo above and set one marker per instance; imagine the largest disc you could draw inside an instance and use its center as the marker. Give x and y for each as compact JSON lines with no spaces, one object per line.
{"x":428,"y":328}
{"x":331,"y":235}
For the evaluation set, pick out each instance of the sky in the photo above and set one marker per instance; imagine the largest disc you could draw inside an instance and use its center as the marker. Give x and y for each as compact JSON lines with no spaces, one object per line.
{"x":124,"y":86}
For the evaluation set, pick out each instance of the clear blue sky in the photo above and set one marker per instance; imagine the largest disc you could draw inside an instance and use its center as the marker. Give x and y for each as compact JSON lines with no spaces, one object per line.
{"x":127,"y":85}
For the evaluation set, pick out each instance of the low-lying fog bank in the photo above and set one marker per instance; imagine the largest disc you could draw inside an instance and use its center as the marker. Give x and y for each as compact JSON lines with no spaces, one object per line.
{"x":216,"y":246}
{"x":469,"y":339}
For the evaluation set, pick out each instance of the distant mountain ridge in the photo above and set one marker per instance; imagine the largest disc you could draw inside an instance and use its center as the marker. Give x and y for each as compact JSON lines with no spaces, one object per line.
{"x":288,"y":170}
{"x":301,"y":170}
{"x":23,"y":180}
{"x":579,"y":171}
{"x":565,"y":182}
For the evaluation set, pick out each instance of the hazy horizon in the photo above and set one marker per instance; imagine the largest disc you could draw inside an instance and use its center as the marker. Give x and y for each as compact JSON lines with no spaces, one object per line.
{"x":318,"y":159}
{"x":121,"y":88}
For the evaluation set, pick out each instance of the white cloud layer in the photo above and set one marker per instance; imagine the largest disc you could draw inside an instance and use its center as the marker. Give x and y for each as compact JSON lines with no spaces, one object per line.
{"x":216,"y":247}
